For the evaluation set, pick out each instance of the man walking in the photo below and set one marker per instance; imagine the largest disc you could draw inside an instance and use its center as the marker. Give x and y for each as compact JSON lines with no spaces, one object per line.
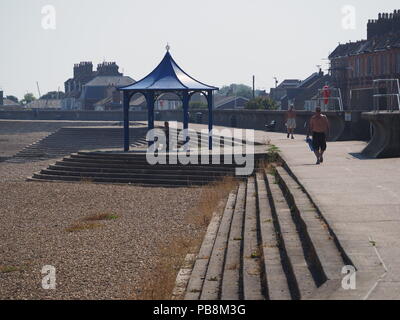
{"x":290,"y":121}
{"x":319,"y":127}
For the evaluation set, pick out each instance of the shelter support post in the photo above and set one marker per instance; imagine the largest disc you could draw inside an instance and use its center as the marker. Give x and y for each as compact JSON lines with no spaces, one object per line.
{"x":150,"y":115}
{"x":210,"y":118}
{"x":126,"y":121}
{"x":185,"y":102}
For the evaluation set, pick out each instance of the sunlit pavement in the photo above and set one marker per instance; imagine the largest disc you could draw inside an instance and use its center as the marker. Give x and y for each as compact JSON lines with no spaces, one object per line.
{"x":359,"y":198}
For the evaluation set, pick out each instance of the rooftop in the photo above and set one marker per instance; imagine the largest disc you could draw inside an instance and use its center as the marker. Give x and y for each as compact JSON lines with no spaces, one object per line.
{"x":385,"y":42}
{"x":103,"y":81}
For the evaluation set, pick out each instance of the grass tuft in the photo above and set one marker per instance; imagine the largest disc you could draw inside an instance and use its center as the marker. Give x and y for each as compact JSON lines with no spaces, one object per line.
{"x":91,"y":222}
{"x":87,"y":180}
{"x":9,"y":269}
{"x":160,"y":281}
{"x":101,"y":217}
{"x":211,"y":197}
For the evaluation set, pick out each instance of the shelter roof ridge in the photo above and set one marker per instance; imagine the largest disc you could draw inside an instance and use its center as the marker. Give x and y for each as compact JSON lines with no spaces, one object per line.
{"x":168,"y":76}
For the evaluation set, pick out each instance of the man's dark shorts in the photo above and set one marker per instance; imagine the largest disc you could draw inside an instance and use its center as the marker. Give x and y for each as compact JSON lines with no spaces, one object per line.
{"x":319,"y":141}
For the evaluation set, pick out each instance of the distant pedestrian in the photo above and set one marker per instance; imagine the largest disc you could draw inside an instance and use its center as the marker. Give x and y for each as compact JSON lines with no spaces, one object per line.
{"x":319,"y":127}
{"x":290,"y":122}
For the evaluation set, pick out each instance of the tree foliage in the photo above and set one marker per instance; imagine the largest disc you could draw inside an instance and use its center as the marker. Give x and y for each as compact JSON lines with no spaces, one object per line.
{"x":261,"y":103}
{"x":239,"y":90}
{"x":12,"y":98}
{"x":53,"y":95}
{"x":28,"y":98}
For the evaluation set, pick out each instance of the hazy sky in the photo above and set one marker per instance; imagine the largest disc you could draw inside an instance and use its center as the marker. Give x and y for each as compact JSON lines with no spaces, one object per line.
{"x":217,"y":41}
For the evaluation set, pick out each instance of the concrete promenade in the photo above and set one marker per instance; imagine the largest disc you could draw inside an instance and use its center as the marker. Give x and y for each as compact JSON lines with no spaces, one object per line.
{"x":360,"y":200}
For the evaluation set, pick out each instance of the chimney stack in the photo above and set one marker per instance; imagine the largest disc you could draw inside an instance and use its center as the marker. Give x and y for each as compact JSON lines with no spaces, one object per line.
{"x":1,"y":98}
{"x":387,"y":23}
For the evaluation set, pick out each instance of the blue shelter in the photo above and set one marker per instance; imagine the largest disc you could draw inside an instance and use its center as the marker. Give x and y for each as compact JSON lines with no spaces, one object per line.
{"x":167,"y":77}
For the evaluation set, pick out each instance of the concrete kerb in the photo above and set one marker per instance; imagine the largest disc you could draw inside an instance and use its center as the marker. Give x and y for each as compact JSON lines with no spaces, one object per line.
{"x":194,"y":285}
{"x":317,"y":205}
{"x":333,"y":288}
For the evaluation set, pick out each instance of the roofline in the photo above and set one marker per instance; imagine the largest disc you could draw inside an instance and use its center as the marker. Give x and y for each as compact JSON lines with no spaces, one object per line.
{"x":123,"y":88}
{"x":360,"y":53}
{"x":166,"y":90}
{"x":89,"y":85}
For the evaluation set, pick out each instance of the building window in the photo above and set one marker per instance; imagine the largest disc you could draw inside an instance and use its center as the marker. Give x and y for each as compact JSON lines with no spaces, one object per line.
{"x":364,"y":66}
{"x":357,"y":68}
{"x":398,"y":62}
{"x":383,"y":64}
{"x":369,"y":66}
{"x":351,"y":69}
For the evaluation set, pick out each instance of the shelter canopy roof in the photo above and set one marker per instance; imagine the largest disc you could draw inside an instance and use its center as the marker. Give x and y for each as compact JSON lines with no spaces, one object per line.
{"x":168,"y":76}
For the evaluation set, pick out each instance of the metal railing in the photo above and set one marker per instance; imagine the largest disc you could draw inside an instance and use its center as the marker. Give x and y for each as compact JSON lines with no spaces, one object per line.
{"x":390,"y":85}
{"x":326,"y":107}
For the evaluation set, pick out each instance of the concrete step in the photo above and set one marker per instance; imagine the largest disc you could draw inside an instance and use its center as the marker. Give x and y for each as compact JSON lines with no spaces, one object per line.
{"x":325,"y":253}
{"x":275,"y":281}
{"x":63,"y":144}
{"x":75,"y":146}
{"x":143,"y":159}
{"x":101,"y":162}
{"x":145,"y":170}
{"x":84,"y":139}
{"x":147,"y":185}
{"x":231,"y":288}
{"x":67,"y":140}
{"x":213,"y":279}
{"x":144,"y":181}
{"x":97,"y":165}
{"x":271,"y":244}
{"x":135,"y":154}
{"x":199,"y":271}
{"x":252,"y":288}
{"x":300,"y":280}
{"x":59,"y":141}
{"x":200,"y":137}
{"x":133,"y":176}
{"x":131,"y":168}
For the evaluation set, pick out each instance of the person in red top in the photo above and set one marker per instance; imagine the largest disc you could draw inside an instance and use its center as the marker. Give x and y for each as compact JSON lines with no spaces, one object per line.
{"x":319,"y":127}
{"x":326,"y":92}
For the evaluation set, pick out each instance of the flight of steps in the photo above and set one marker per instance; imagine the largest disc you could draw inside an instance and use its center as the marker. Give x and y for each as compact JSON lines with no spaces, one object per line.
{"x":269,"y":244}
{"x":133,"y":168}
{"x":68,"y":140}
{"x":203,"y":141}
{"x":73,"y":139}
{"x":9,"y":127}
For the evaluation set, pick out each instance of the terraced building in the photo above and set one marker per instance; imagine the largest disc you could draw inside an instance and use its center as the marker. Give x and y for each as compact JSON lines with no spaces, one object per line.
{"x":355,"y":65}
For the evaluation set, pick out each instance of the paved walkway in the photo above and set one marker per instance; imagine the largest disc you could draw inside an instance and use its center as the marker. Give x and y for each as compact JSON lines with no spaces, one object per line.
{"x":360,"y":199}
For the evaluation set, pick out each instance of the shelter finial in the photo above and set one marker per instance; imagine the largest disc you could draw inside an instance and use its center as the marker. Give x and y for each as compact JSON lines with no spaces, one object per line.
{"x":167,"y":47}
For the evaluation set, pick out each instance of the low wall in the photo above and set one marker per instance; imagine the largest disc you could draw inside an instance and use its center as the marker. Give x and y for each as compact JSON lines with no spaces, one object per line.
{"x":71,"y":115}
{"x":385,"y":142}
{"x":355,"y":128}
{"x":343,"y":127}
